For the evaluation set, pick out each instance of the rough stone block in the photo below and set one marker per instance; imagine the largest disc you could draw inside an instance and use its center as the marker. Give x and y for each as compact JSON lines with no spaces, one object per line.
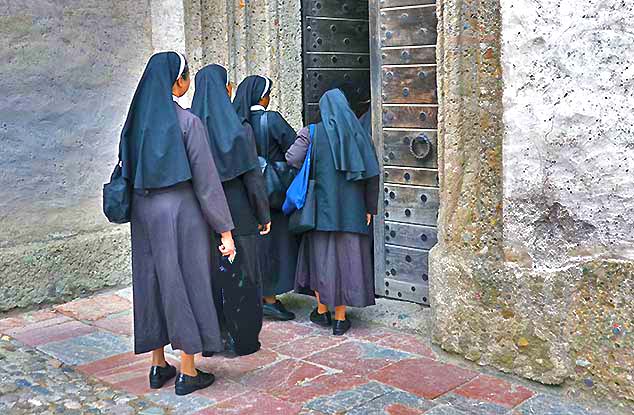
{"x":63,"y":269}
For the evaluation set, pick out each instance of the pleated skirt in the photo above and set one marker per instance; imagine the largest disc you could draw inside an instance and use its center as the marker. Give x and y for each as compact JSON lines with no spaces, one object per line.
{"x":339,"y":266}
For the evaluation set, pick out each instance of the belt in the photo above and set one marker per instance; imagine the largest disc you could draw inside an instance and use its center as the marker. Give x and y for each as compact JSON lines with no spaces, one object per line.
{"x":149,"y":192}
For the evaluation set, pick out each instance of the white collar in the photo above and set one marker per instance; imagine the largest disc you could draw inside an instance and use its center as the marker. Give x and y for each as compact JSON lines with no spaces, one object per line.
{"x":258,"y":108}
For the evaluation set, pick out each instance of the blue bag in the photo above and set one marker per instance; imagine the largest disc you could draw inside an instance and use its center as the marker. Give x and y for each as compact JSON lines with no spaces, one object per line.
{"x":296,"y":193}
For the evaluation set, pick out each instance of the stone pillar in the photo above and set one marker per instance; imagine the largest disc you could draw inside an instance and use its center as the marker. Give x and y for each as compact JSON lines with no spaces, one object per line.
{"x":534,"y":272}
{"x":466,"y":267}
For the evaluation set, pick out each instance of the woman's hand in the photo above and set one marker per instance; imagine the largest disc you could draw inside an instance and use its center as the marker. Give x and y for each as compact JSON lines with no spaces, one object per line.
{"x":368,"y":218}
{"x":227,"y":247}
{"x":264,"y":229}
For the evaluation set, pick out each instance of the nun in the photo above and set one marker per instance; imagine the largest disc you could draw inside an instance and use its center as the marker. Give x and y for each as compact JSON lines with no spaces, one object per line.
{"x":238,"y":284}
{"x":177,"y":200}
{"x":335,"y":259}
{"x":273,"y":137}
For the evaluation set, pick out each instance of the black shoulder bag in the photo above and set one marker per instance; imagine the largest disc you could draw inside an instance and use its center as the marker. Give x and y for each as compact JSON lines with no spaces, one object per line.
{"x":117,"y":195}
{"x":278,"y":175}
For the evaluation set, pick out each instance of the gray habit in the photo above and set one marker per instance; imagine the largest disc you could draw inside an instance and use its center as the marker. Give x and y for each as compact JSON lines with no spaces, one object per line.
{"x":172,"y":253}
{"x":338,"y":265}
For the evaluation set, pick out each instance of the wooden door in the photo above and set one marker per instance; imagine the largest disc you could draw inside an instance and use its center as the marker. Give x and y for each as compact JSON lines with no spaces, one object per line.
{"x":403,"y":61}
{"x":335,"y":47}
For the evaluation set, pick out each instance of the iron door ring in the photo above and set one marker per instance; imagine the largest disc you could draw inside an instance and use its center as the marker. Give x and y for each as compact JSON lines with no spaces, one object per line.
{"x":420,"y":147}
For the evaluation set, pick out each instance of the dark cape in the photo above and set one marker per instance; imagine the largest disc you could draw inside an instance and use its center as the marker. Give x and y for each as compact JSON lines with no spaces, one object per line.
{"x":280,"y":247}
{"x":336,"y":259}
{"x":151,"y":146}
{"x":238,"y":285}
{"x":171,"y":227}
{"x":231,"y":145}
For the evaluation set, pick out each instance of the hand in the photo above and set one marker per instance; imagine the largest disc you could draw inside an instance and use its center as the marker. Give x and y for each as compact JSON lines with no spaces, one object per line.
{"x":368,"y":218}
{"x":227,"y":247}
{"x":264,"y":229}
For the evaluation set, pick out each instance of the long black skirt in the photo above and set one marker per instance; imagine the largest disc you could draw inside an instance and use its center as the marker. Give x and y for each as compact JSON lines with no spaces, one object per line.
{"x":171,"y":273}
{"x":238,"y":296}
{"x":339,"y":266}
{"x":279,"y":250}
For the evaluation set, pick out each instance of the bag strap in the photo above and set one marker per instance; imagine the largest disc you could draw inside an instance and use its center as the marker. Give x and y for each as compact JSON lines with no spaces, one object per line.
{"x":264,"y":127}
{"x":311,"y":129}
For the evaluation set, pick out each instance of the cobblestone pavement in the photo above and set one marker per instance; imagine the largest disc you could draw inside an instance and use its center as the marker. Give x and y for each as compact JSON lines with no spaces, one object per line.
{"x":77,"y":358}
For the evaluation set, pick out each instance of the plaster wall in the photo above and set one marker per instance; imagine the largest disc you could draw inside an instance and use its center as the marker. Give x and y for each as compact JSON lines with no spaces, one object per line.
{"x":69,"y":70}
{"x":569,"y":130}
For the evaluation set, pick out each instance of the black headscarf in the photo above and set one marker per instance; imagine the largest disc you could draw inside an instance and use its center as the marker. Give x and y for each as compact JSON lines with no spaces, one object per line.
{"x":151,"y":149}
{"x":250,"y":91}
{"x":351,"y":146}
{"x":232,"y":147}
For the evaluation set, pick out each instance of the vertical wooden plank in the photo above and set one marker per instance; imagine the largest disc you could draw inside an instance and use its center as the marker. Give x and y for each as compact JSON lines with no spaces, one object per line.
{"x":377,"y":135}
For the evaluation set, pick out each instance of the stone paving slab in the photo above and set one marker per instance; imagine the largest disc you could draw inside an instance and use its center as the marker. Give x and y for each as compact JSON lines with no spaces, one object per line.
{"x":424,"y":377}
{"x":89,"y":348}
{"x":494,"y":390}
{"x":83,"y":363}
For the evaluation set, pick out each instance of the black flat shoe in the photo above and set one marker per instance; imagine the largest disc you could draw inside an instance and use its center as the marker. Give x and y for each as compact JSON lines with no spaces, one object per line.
{"x":277,"y":311}
{"x":186,"y":384}
{"x":341,"y":327}
{"x":160,"y":375}
{"x":208,"y":354}
{"x":323,"y":320}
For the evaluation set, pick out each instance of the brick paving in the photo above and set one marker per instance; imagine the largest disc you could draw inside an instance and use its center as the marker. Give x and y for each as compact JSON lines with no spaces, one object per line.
{"x":77,"y":358}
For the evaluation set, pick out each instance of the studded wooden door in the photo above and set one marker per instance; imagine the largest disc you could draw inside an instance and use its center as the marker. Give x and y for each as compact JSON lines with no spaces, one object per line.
{"x":335,"y":47}
{"x":403,"y":59}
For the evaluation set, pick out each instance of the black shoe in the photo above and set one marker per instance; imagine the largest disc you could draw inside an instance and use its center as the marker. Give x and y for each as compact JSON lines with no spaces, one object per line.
{"x":208,"y":354}
{"x":341,"y":327}
{"x":160,"y":375}
{"x":323,"y":320}
{"x":187,"y":384}
{"x":277,"y":311}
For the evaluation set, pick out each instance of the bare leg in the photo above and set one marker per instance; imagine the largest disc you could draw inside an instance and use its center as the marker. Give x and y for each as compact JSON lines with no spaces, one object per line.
{"x":187,"y":364}
{"x":321,"y":308}
{"x":158,"y":357}
{"x":271,"y":299}
{"x":340,"y":312}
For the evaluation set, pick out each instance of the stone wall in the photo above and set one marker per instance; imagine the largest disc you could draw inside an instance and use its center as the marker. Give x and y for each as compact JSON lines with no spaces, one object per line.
{"x":535,"y":267}
{"x":69,"y":69}
{"x":256,"y":37}
{"x":69,"y":72}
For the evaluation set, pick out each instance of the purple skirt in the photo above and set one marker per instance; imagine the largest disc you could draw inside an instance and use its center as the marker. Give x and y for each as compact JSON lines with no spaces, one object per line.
{"x":339,"y":266}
